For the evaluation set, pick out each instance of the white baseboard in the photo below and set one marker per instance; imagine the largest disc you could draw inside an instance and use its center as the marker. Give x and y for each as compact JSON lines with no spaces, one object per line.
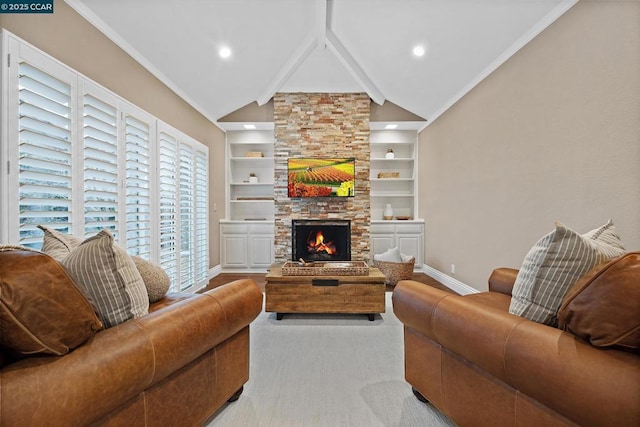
{"x":214,"y":271}
{"x":448,"y":281}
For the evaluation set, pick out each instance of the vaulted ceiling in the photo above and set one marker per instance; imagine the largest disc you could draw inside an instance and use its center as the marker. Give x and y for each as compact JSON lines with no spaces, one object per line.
{"x":321,"y":46}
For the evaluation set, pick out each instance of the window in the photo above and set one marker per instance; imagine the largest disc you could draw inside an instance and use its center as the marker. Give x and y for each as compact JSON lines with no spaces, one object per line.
{"x":138,"y":185}
{"x":183,"y":175}
{"x":80,"y":159}
{"x":45,"y":151}
{"x":200,"y":239}
{"x":100,"y":135}
{"x":168,"y":176}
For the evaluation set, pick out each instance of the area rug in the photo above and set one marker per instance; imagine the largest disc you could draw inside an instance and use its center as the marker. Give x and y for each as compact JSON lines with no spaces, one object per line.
{"x":327,"y":370}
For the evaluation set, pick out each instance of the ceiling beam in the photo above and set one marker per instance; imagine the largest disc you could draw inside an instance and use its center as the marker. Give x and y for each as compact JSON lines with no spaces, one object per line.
{"x":289,"y":67}
{"x":323,"y":36}
{"x":318,"y":38}
{"x":347,"y":60}
{"x":321,"y":15}
{"x":354,"y":68}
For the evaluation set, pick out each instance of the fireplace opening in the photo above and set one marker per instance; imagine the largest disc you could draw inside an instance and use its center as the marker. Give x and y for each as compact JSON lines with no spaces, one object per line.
{"x":321,"y":240}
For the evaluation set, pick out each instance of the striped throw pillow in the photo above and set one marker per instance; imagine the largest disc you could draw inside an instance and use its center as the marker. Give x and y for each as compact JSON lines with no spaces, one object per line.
{"x":554,"y":264}
{"x":56,"y":244}
{"x":109,"y":278}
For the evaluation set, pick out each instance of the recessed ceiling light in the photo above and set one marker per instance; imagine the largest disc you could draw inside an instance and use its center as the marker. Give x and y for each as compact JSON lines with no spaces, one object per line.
{"x":418,"y":50}
{"x":224,"y":52}
{"x":391,"y":126}
{"x":249,"y":126}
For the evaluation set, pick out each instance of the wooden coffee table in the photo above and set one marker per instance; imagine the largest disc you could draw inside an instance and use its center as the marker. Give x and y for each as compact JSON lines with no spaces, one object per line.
{"x":325,"y":294}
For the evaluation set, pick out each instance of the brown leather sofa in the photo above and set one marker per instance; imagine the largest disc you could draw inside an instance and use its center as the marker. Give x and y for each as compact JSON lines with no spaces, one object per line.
{"x":175,"y":366}
{"x":482,"y":366}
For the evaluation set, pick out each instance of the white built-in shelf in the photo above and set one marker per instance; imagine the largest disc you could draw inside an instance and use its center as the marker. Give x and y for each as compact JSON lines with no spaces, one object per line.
{"x":256,"y":160}
{"x":399,"y":192}
{"x":381,"y":180}
{"x":247,"y":200}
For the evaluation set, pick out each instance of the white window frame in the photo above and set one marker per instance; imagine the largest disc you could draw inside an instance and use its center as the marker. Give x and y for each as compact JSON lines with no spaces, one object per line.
{"x":14,"y":51}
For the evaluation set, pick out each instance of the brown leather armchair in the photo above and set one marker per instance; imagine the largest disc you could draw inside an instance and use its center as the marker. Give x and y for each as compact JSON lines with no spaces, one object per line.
{"x":482,"y":366}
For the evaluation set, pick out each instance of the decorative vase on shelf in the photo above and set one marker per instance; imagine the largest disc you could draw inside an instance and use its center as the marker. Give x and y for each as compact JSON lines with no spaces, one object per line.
{"x":389,"y":154}
{"x":388,"y":212}
{"x":253,"y":179}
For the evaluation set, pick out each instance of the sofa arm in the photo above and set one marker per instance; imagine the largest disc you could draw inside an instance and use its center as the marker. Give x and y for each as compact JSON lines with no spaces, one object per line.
{"x":474,"y":330}
{"x":502,"y":280}
{"x":414,"y":304}
{"x":183,"y":331}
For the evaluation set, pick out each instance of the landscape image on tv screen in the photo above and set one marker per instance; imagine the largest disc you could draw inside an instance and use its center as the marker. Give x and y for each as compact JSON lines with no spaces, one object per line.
{"x":321,"y":177}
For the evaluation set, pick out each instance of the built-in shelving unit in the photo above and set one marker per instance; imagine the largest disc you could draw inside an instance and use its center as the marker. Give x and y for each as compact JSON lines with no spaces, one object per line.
{"x":250,"y":174}
{"x":247,"y":232}
{"x":393,"y":181}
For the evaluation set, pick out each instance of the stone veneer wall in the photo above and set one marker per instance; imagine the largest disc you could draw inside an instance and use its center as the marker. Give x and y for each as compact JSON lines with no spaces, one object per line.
{"x":322,"y":125}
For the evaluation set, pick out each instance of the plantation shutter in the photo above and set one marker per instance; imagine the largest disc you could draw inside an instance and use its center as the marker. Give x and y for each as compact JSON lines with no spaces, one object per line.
{"x":137,"y":186}
{"x":183,"y":201}
{"x":201,"y":220}
{"x":44,"y":154}
{"x":187,"y":213}
{"x":168,"y":175}
{"x":100,"y":134}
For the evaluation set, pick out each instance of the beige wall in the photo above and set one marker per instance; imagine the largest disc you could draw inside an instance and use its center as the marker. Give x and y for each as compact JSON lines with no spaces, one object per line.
{"x":66,"y":36}
{"x":553,"y":134}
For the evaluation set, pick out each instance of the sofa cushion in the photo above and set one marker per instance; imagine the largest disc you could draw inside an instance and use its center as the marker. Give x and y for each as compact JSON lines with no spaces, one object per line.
{"x":56,"y":244}
{"x":41,"y":308}
{"x":155,"y":279}
{"x":554,"y":263}
{"x":603,"y":307}
{"x":109,"y":278}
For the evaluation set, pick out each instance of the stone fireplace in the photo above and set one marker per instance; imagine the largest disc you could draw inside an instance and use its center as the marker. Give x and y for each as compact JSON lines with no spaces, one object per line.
{"x":322,"y":125}
{"x":321,"y":240}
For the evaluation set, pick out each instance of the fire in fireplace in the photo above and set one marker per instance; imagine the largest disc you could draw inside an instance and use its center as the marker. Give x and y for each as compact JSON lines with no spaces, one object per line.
{"x":317,"y":245}
{"x":321,"y":240}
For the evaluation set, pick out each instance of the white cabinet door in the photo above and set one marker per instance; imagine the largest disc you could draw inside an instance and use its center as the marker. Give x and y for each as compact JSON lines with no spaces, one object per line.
{"x":234,"y":251}
{"x":246,"y":245}
{"x":408,"y":237}
{"x":261,"y":250}
{"x":381,"y":243}
{"x":410,"y":245}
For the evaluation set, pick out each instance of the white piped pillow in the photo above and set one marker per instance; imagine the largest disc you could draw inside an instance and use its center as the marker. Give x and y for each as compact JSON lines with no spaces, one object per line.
{"x":392,"y":255}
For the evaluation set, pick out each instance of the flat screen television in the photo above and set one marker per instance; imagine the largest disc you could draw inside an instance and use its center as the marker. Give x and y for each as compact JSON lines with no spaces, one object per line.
{"x":321,"y":177}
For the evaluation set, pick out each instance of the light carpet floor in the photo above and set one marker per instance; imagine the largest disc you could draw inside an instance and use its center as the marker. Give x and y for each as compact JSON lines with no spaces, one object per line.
{"x":327,"y":370}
